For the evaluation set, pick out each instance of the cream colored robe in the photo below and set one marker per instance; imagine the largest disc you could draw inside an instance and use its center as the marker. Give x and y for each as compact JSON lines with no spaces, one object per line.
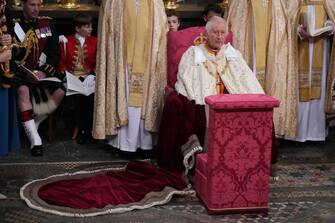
{"x":280,"y":59}
{"x":240,"y":20}
{"x":196,"y":79}
{"x":110,"y":107}
{"x":282,"y":66}
{"x":311,"y":114}
{"x":330,"y":87}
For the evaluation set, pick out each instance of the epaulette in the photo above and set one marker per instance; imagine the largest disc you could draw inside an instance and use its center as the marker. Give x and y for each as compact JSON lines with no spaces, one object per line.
{"x":16,"y":20}
{"x":43,"y":17}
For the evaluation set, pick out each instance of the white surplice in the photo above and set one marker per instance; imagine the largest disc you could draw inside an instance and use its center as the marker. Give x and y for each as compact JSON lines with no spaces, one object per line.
{"x":132,"y":136}
{"x":311,"y":114}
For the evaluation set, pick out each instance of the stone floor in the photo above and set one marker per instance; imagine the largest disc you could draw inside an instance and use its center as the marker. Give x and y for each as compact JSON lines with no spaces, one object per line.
{"x":305,"y":191}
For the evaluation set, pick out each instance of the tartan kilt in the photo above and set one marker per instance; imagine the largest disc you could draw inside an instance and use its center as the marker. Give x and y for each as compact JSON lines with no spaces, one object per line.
{"x":40,"y":92}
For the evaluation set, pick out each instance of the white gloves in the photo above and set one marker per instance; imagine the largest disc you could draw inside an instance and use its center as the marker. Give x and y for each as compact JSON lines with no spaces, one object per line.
{"x":89,"y":81}
{"x":62,"y":39}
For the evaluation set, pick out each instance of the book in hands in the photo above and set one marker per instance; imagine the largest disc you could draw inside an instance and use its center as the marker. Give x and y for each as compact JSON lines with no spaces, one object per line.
{"x":76,"y":86}
{"x":309,"y":21}
{"x":31,"y":75}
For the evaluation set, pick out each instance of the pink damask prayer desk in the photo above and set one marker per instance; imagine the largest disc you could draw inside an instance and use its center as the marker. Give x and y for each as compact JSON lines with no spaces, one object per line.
{"x":233,"y":175}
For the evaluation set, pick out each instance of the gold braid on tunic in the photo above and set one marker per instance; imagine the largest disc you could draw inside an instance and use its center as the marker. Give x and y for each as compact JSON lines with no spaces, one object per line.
{"x":30,"y":42}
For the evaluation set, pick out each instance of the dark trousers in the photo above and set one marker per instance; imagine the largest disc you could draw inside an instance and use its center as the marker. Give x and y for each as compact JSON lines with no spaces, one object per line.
{"x":84,"y":112}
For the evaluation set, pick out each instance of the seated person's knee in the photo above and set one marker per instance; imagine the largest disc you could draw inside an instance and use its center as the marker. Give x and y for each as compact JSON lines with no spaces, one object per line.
{"x":23,"y":91}
{"x":59,"y":94}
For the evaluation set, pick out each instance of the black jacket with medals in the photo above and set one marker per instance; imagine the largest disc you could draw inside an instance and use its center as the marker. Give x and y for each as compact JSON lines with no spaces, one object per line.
{"x":39,"y":52}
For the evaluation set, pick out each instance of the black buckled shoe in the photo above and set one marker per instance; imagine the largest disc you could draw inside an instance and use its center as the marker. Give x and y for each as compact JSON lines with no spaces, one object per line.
{"x":37,"y":151}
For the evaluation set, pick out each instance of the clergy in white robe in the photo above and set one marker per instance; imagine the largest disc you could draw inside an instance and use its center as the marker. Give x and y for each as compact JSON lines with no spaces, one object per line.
{"x":131,"y":72}
{"x":313,"y":53}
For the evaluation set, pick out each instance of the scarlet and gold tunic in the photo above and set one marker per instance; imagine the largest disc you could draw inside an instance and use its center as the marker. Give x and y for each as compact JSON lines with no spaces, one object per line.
{"x":78,"y":60}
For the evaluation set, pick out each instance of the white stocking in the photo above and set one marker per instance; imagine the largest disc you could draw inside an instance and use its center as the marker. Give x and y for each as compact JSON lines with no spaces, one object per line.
{"x":31,"y":131}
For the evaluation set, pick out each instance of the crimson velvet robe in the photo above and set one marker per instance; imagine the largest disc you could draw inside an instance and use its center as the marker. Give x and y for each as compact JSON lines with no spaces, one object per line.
{"x":111,"y":187}
{"x":181,"y":117}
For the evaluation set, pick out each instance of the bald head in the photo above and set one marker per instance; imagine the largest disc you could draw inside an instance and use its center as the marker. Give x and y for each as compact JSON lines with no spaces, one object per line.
{"x":216,"y":30}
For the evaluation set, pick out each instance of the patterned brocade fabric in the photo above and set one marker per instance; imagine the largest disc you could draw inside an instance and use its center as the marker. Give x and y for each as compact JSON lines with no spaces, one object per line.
{"x":242,"y":101}
{"x":234,"y":175}
{"x":110,"y":111}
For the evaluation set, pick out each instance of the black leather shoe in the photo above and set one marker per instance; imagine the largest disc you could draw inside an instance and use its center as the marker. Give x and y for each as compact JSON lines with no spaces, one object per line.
{"x":37,"y":151}
{"x":81,"y":137}
{"x":91,"y":140}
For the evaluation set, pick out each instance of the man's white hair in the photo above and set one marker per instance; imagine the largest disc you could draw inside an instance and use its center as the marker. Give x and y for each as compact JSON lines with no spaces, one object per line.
{"x":213,"y":20}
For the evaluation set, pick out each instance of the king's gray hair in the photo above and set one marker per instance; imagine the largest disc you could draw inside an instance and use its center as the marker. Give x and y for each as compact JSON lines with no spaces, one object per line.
{"x":212,"y":20}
